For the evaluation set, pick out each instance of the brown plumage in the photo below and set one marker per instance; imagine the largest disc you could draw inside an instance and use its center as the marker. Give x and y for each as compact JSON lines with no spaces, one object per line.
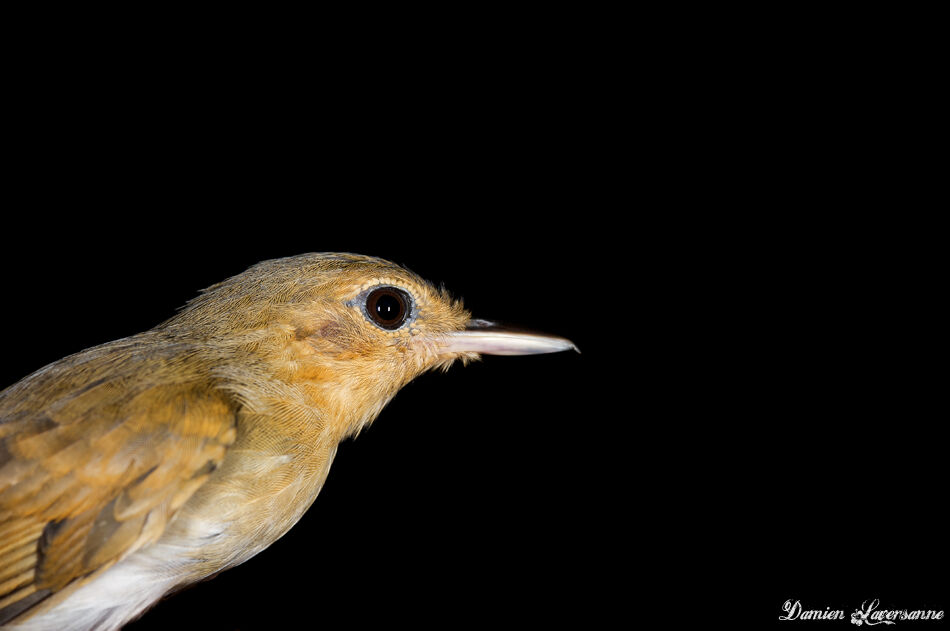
{"x":135,"y":467}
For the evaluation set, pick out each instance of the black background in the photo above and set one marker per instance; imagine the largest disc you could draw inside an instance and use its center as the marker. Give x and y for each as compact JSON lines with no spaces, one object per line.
{"x":734,"y":224}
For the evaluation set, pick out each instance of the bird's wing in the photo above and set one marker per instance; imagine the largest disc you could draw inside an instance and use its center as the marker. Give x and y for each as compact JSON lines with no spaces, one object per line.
{"x":94,"y":462}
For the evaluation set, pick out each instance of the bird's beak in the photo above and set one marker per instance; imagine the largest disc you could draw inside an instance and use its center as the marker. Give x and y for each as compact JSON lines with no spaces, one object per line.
{"x":482,"y":336}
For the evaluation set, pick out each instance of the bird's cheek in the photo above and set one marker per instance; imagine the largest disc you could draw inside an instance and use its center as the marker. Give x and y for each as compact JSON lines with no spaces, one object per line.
{"x":324,"y":336}
{"x":330,"y":333}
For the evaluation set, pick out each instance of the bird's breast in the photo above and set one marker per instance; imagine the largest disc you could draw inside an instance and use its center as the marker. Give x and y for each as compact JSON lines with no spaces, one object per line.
{"x":254,"y":498}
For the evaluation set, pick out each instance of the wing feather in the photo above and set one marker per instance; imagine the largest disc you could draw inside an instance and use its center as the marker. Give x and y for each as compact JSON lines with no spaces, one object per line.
{"x":97,"y":453}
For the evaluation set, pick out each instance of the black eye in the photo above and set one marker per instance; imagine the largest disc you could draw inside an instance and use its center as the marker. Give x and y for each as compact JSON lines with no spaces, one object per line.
{"x":388,"y":307}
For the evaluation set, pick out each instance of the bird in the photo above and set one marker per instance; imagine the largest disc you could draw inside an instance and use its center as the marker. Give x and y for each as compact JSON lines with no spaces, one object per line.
{"x":139,"y":466}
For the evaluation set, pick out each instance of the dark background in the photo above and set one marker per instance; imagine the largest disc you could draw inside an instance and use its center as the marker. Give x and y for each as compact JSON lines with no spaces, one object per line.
{"x":736,"y":224}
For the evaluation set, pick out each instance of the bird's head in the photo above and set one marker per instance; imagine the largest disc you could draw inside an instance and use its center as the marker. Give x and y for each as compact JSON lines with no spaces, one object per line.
{"x":350,"y":329}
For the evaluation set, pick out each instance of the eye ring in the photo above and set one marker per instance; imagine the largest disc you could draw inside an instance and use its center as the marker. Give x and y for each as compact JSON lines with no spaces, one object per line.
{"x":388,"y":307}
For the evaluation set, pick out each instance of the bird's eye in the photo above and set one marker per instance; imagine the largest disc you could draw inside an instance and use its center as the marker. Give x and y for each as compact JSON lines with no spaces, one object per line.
{"x":388,"y":307}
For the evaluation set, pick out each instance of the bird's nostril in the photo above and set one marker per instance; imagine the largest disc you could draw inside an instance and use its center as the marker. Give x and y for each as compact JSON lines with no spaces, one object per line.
{"x":479,"y":324}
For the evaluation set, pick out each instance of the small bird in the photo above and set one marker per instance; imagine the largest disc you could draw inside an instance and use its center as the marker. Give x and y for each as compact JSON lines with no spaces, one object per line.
{"x":131,"y":469}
